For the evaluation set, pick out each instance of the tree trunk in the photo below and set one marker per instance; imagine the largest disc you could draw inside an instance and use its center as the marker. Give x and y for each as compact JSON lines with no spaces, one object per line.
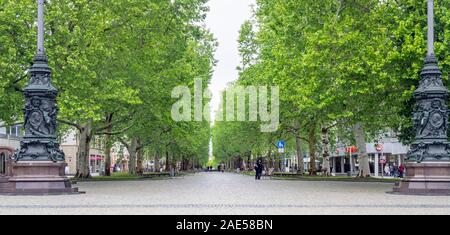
{"x":312,"y":150}
{"x":157,"y":157}
{"x":273,"y":160}
{"x":139,"y":162}
{"x":278,"y":163}
{"x":108,"y":146}
{"x":84,"y":147}
{"x":132,"y":151}
{"x":360,"y":136}
{"x":139,"y":157}
{"x":182,"y":163}
{"x":298,"y":145}
{"x":167,"y":162}
{"x":326,"y":152}
{"x":173,"y":164}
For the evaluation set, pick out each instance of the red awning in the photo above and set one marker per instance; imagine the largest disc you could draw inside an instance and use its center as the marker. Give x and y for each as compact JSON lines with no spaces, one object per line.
{"x":96,"y":158}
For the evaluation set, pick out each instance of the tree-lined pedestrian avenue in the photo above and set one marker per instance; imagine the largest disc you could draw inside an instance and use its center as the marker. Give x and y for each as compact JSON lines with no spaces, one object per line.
{"x":231,"y":194}
{"x":348,"y":71}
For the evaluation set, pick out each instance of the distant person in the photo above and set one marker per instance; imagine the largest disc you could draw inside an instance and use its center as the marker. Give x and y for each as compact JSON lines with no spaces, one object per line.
{"x":396,"y":174}
{"x":259,"y":169}
{"x":387,"y":170}
{"x":401,"y":170}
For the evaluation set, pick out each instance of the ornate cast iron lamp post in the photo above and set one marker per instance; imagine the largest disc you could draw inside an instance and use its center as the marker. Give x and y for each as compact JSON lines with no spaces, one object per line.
{"x":428,"y":162}
{"x":39,"y":166}
{"x":40,"y":143}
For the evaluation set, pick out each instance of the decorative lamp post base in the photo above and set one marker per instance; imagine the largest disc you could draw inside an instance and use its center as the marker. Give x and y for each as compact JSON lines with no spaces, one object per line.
{"x":37,"y":178}
{"x":427,"y":179}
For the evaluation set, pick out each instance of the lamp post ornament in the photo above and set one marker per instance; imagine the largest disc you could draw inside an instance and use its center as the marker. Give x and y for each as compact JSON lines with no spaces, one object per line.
{"x":40,"y":35}
{"x":430,"y":27}
{"x":431,"y":111}
{"x":40,"y":141}
{"x":428,"y":161}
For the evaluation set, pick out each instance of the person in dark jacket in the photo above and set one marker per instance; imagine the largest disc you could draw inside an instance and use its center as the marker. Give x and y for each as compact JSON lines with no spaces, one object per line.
{"x":259,"y":169}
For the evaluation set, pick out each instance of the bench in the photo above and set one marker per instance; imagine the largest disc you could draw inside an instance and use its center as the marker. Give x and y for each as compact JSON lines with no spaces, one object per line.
{"x":286,"y":174}
{"x":155,"y":174}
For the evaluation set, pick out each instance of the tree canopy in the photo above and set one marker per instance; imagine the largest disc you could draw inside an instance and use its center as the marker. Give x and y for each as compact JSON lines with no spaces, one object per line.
{"x":115,"y":64}
{"x":346,"y":70}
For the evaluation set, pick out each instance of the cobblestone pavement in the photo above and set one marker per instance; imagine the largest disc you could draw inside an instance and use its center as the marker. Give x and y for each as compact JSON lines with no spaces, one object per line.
{"x":222,"y":193}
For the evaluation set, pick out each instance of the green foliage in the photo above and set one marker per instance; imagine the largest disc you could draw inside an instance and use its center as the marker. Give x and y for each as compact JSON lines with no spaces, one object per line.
{"x":337,"y":63}
{"x":117,"y":59}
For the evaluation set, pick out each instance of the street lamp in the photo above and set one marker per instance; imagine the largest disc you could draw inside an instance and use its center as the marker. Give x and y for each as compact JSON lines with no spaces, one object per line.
{"x":39,"y":166}
{"x":428,"y":162}
{"x":40,"y":141}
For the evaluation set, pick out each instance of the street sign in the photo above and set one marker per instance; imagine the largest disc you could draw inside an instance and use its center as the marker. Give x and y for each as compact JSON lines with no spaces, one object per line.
{"x":281,"y":144}
{"x":340,"y":150}
{"x":280,"y":150}
{"x":352,"y":149}
{"x":379,"y":147}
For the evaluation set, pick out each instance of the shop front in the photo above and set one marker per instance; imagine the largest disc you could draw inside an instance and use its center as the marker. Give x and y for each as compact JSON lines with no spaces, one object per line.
{"x":388,"y":152}
{"x":345,"y":160}
{"x":96,"y":165}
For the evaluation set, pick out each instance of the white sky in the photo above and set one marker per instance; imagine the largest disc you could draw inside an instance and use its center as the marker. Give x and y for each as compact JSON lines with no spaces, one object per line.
{"x":224,"y":20}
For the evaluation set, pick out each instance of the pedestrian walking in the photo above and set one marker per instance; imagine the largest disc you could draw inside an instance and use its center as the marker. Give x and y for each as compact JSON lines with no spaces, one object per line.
{"x":259,"y":169}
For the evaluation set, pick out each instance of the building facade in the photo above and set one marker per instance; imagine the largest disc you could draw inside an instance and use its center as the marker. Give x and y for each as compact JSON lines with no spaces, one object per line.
{"x":9,"y":142}
{"x":390,"y":149}
{"x":344,"y":159}
{"x":70,"y":144}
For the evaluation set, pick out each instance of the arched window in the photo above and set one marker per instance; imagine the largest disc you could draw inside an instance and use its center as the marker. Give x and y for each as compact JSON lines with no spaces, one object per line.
{"x":2,"y":164}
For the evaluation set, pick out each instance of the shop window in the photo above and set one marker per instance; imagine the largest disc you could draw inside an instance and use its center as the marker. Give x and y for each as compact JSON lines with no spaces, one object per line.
{"x":15,"y":131}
